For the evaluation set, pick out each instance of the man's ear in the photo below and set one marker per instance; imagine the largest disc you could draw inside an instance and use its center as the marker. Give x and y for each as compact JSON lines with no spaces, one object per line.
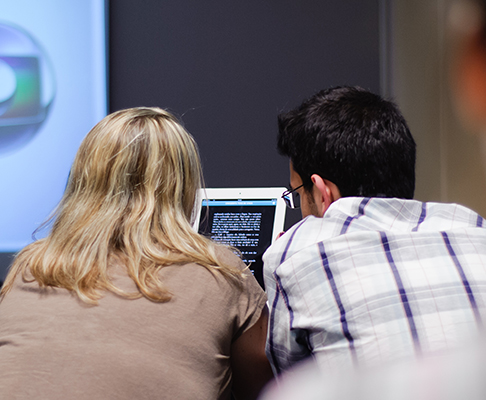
{"x":325,"y":193}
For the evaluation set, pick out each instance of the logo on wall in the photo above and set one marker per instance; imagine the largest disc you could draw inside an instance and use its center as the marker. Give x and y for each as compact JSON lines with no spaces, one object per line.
{"x":27,"y":87}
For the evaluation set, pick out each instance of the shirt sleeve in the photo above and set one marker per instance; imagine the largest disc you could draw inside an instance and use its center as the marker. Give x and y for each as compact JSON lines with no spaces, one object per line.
{"x":249,"y":297}
{"x":250,"y":304}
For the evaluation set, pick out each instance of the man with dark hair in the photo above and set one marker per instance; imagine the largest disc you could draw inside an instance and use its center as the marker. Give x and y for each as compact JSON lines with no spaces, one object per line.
{"x":369,"y":150}
{"x":369,"y":275}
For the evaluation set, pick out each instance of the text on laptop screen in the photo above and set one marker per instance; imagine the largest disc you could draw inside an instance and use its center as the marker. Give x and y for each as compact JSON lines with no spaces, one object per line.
{"x":245,"y":224}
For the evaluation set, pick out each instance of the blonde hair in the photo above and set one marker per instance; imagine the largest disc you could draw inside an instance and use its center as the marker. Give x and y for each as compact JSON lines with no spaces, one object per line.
{"x":130,"y":197}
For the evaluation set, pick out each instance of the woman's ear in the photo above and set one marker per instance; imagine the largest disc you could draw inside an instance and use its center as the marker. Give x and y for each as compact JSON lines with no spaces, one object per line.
{"x":325,"y":193}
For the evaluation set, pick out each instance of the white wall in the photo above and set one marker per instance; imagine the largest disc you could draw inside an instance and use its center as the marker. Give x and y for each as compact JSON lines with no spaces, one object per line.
{"x":417,"y":62}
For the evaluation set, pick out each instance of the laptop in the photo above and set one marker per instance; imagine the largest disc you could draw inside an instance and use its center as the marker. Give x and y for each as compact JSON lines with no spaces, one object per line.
{"x":249,"y":219}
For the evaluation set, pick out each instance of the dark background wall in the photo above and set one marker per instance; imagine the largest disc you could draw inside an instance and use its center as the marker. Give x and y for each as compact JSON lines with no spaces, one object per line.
{"x":227,"y":68}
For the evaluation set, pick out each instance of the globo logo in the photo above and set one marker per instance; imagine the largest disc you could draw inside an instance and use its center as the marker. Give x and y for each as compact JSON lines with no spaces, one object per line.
{"x":27,"y":87}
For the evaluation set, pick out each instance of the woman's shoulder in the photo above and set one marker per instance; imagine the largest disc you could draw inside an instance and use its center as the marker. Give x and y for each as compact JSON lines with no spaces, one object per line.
{"x":247,"y":281}
{"x":230,"y":257}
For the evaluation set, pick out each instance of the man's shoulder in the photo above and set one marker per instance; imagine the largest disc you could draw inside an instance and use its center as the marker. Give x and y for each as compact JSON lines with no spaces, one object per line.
{"x":363,"y":217}
{"x":399,"y":215}
{"x":303,"y":234}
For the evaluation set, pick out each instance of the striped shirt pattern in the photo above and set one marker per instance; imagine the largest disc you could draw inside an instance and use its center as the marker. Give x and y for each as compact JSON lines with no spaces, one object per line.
{"x":375,"y":280}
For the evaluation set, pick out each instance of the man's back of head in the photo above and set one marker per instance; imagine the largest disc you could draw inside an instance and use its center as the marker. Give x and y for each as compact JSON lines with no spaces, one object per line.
{"x":353,"y":138}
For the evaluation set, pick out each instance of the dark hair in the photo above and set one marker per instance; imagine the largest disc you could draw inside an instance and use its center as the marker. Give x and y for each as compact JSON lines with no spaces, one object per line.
{"x":353,"y":138}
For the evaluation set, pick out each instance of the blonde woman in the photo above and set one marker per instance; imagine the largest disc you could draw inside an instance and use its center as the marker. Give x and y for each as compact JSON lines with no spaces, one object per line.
{"x":123,"y":300}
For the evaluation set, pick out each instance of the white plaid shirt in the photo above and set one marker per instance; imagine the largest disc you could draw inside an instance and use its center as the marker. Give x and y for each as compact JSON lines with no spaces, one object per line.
{"x":375,"y":280}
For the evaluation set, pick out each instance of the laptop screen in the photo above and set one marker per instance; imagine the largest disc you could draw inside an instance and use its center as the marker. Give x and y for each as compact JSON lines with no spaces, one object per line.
{"x":248,"y":224}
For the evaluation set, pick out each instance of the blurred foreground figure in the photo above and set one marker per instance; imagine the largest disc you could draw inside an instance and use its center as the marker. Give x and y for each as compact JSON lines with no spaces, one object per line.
{"x":454,"y":375}
{"x":123,"y":300}
{"x":468,"y":23}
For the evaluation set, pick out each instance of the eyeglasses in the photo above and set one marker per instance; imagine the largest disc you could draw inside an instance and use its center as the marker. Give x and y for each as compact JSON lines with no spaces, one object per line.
{"x":292,"y":198}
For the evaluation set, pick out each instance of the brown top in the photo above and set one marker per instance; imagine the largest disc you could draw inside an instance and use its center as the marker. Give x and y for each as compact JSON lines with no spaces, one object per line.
{"x":53,"y":346}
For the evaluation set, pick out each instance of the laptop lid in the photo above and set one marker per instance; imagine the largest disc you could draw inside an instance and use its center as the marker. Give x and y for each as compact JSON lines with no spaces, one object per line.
{"x":246,"y":218}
